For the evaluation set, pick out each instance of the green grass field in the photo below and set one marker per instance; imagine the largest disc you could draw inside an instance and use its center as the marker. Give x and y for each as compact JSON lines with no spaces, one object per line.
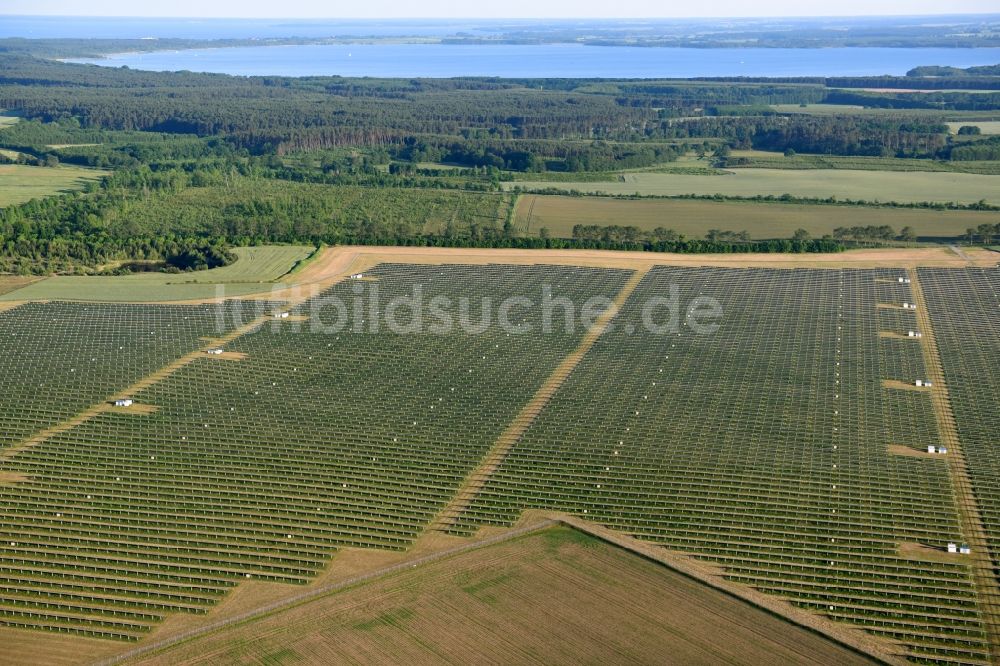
{"x":6,"y":121}
{"x":904,"y":187}
{"x":255,"y":267}
{"x":694,"y":218}
{"x":19,"y":183}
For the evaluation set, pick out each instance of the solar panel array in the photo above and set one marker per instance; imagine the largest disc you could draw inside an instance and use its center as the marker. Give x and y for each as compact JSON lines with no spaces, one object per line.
{"x":764,"y":447}
{"x":770,"y":446}
{"x":261,"y":468}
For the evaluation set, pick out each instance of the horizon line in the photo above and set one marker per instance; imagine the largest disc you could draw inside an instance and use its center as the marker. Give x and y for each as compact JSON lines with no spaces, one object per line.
{"x":505,"y":18}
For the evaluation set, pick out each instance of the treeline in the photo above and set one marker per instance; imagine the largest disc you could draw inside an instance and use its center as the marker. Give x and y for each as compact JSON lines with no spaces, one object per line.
{"x":771,"y":198}
{"x":833,"y":135}
{"x":938,"y":101}
{"x":985,"y":234}
{"x":535,"y":155}
{"x":987,"y":149}
{"x":955,"y":72}
{"x":75,"y":253}
{"x":872,"y":233}
{"x":921,"y":78}
{"x":683,"y":246}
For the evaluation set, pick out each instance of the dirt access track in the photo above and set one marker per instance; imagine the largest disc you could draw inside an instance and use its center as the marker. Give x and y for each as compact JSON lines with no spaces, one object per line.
{"x":337,"y":263}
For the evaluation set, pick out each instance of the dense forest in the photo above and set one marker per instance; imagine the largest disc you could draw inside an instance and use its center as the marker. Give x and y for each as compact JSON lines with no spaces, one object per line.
{"x":200,"y":162}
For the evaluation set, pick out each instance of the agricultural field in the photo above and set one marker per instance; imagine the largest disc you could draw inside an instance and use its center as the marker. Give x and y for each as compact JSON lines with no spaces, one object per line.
{"x":693,"y":218}
{"x":764,"y":447}
{"x":566,"y":596}
{"x":902,"y":187}
{"x":6,"y":121}
{"x":806,"y":161}
{"x":10,"y":283}
{"x":265,"y":263}
{"x":985,"y":126}
{"x":254,"y":268}
{"x":19,"y":183}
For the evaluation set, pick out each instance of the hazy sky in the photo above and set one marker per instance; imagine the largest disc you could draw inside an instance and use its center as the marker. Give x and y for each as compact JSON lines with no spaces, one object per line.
{"x":503,"y":9}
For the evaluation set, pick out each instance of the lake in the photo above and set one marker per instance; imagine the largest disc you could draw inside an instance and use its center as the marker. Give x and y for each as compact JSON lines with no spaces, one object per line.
{"x":546,"y":60}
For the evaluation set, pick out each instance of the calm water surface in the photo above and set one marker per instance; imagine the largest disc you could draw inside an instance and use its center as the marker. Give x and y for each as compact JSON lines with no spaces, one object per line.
{"x":547,"y":60}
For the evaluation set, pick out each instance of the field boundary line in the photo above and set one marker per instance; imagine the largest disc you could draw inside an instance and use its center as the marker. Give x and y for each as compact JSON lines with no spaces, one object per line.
{"x":969,"y":515}
{"x":312,"y":595}
{"x":854,"y":639}
{"x":477,"y":478}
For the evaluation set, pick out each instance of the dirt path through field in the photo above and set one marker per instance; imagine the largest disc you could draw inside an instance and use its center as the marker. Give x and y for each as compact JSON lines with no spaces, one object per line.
{"x":969,"y":514}
{"x":961,"y":253}
{"x":291,"y":602}
{"x":475,"y":481}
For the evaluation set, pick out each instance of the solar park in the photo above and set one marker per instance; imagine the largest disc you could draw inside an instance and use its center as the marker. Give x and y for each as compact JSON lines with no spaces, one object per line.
{"x":789,"y":449}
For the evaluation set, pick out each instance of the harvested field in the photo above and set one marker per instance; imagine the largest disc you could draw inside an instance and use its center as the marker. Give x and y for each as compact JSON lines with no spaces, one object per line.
{"x":336,"y":263}
{"x":693,"y":218}
{"x":900,"y":186}
{"x":985,"y":126}
{"x":553,"y":597}
{"x":9,"y":283}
